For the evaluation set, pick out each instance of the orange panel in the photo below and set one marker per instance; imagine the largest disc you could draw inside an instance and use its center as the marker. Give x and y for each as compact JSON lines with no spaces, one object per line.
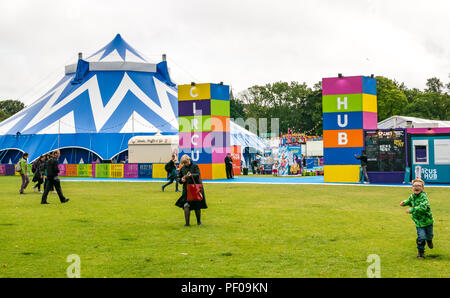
{"x":220,"y":123}
{"x":343,"y":138}
{"x":205,"y":171}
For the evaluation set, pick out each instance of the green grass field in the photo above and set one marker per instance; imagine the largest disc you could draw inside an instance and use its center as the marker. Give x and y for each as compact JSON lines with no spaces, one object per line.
{"x":134,"y":230}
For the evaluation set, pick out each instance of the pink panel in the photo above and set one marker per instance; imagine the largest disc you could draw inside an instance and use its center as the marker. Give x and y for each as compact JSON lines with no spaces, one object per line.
{"x":130,"y":170}
{"x":344,"y":85}
{"x":62,"y":170}
{"x":2,"y":170}
{"x":370,"y":120}
{"x":195,"y":139}
{"x":426,"y":130}
{"x":219,"y":154}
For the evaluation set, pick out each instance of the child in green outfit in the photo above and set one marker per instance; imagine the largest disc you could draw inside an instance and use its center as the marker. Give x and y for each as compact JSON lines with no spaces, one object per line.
{"x":421,"y":215}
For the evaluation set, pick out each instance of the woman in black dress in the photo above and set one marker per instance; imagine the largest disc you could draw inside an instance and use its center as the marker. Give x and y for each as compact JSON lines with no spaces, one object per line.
{"x":189,"y":172}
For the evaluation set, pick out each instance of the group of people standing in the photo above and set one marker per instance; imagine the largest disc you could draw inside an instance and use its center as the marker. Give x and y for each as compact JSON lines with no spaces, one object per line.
{"x":45,"y":170}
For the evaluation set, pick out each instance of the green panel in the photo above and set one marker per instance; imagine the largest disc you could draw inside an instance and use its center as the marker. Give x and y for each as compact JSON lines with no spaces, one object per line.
{"x":187,"y":124}
{"x":102,"y":170}
{"x":354,"y":103}
{"x":220,"y":108}
{"x":83,"y":170}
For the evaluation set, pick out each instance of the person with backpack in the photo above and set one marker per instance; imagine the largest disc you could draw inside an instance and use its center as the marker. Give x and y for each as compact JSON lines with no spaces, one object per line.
{"x":38,"y":171}
{"x":22,"y":168}
{"x":171,"y":170}
{"x":44,"y":172}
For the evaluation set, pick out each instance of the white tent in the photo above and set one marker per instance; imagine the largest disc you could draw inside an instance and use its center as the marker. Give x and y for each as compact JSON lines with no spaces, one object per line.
{"x":411,"y":122}
{"x":98,"y":105}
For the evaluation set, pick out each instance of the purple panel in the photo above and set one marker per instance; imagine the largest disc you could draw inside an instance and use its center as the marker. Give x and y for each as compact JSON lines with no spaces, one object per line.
{"x":321,"y":161}
{"x":344,"y":85}
{"x":93,"y":168}
{"x":62,"y":170}
{"x":9,"y":170}
{"x":2,"y":170}
{"x":131,"y":170}
{"x":370,"y":120}
{"x":220,"y":139}
{"x":386,"y":177}
{"x":201,"y":107}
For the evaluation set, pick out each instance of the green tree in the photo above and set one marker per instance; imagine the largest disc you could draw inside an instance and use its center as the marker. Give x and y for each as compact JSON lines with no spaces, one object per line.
{"x":434,"y":85}
{"x":237,"y":107}
{"x":3,"y":116}
{"x":391,"y":99}
{"x":430,"y":105}
{"x":10,"y":107}
{"x":296,"y":105}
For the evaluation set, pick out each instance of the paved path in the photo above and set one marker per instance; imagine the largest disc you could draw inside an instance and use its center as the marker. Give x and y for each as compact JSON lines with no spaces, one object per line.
{"x":253,"y":180}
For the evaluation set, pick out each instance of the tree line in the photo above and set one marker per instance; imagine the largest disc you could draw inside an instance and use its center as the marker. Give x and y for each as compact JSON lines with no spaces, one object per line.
{"x":299,"y":107}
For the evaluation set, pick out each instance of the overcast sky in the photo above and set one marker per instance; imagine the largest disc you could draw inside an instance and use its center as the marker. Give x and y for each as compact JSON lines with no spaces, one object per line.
{"x":240,"y":42}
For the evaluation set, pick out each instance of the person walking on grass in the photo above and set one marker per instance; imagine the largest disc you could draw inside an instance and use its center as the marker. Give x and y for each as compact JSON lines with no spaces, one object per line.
{"x":421,"y":215}
{"x":189,"y":173}
{"x":53,"y":180}
{"x":47,"y":158}
{"x":23,"y":170}
{"x":171,"y":170}
{"x":38,"y":170}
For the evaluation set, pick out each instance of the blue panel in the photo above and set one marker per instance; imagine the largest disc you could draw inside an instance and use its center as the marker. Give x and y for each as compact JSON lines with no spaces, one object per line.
{"x":108,"y":82}
{"x":197,"y":155}
{"x":351,"y":120}
{"x":341,"y":156}
{"x":369,"y":85}
{"x":221,"y":92}
{"x":145,"y":170}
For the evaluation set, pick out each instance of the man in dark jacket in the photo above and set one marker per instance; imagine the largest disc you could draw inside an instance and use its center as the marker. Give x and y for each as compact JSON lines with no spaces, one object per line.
{"x":53,"y":180}
{"x":363,"y":159}
{"x":229,"y":166}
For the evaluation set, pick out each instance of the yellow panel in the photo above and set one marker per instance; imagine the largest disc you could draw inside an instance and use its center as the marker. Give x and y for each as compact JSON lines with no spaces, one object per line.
{"x":369,"y":103}
{"x":196,"y":92}
{"x":341,"y":173}
{"x":218,"y":171}
{"x":159,"y":171}
{"x":116,"y":171}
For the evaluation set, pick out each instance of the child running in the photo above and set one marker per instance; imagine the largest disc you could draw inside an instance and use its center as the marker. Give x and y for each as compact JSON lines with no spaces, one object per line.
{"x":421,"y":215}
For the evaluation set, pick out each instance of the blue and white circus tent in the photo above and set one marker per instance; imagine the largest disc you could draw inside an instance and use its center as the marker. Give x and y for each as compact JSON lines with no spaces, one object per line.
{"x":99,"y":104}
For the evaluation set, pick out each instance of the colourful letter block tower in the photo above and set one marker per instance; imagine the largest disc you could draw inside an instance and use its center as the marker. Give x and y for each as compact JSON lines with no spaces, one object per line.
{"x":349,"y":106}
{"x":204,"y":121}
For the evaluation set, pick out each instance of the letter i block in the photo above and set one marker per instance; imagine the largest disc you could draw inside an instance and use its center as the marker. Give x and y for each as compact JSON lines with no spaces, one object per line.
{"x":194,"y":107}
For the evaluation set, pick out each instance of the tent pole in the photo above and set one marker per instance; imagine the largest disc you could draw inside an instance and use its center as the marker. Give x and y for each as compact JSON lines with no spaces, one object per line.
{"x":132,"y":123}
{"x":59,"y":131}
